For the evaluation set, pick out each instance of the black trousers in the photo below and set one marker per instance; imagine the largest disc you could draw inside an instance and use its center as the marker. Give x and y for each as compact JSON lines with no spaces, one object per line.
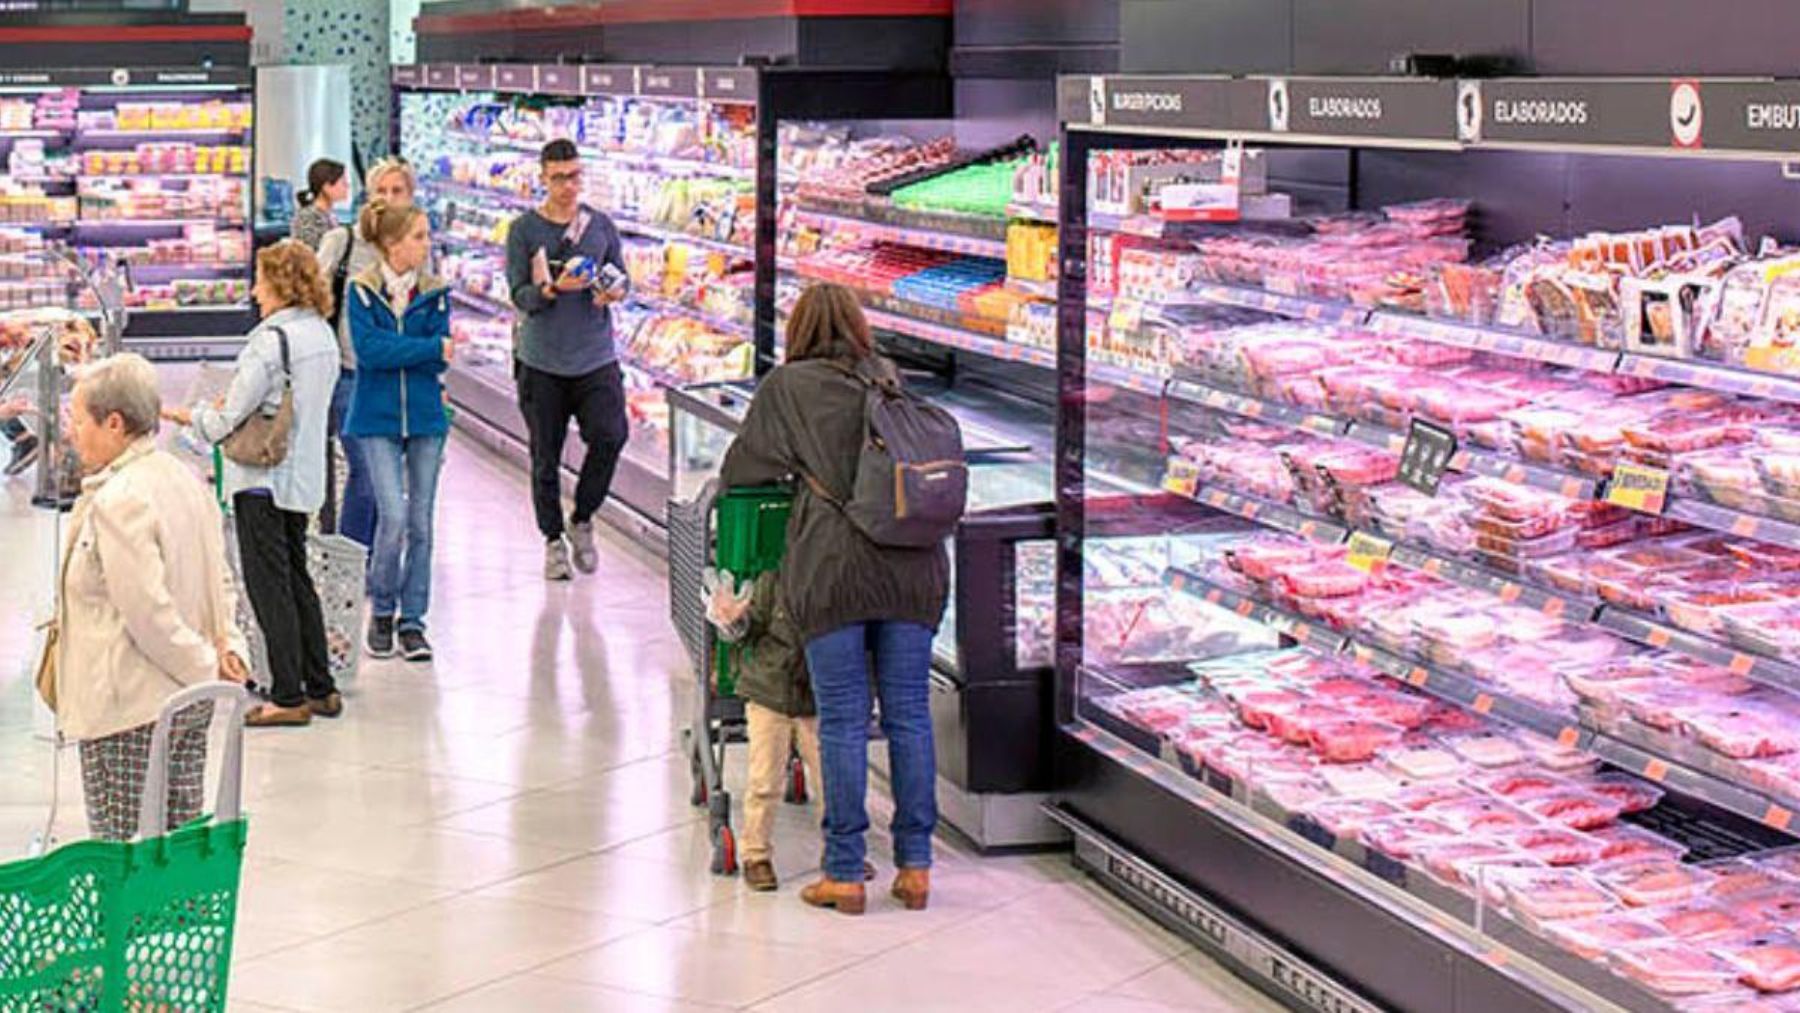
{"x":596,"y":402}
{"x":272,"y":548}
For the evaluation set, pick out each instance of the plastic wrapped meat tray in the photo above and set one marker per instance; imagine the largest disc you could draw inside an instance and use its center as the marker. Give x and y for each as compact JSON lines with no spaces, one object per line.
{"x":1767,"y":962}
{"x":1573,"y":808}
{"x":1648,"y":882}
{"x":1672,"y":967}
{"x":1743,"y":732}
{"x":1352,"y":740}
{"x":1740,"y":877}
{"x":1594,"y":938}
{"x":1558,"y":846}
{"x":1772,"y":629}
{"x":1422,"y":762}
{"x":1265,"y":559}
{"x":1633,"y":795}
{"x":1399,"y":837}
{"x":1482,"y":815}
{"x":1627,"y":841}
{"x":1346,"y":817}
{"x":1549,"y":895}
{"x":1449,"y":860}
{"x":1700,"y":920}
{"x":1491,"y":751}
{"x":1330,"y":579}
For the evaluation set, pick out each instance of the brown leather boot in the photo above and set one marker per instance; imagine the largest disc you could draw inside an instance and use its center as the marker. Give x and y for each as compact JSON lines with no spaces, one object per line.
{"x":912,"y":887}
{"x":848,"y":898}
{"x":760,"y":876}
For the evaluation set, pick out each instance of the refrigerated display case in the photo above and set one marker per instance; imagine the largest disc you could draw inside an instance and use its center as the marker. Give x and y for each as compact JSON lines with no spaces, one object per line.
{"x":1505,"y":499}
{"x":141,"y":169}
{"x":673,"y":156}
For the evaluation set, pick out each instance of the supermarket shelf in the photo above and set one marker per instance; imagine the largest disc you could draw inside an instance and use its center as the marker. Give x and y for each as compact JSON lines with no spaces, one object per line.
{"x":1676,"y":766}
{"x":645,"y":159}
{"x":1713,"y":376}
{"x":1494,"y":339}
{"x":1319,"y":638}
{"x":1654,"y":634}
{"x":1147,"y":226}
{"x":111,"y":223}
{"x":668,"y":235}
{"x":1714,"y":517}
{"x":477,"y":193}
{"x":155,"y":175}
{"x":876,"y":212}
{"x":1045,"y":214}
{"x":1479,"y":578}
{"x":481,"y":304}
{"x":145,"y":272}
{"x":955,"y":337}
{"x":1270,"y":515}
{"x":43,"y":134}
{"x":1219,"y":399}
{"x":1301,"y":307}
{"x":151,"y":134}
{"x":723,"y":325}
{"x":1124,"y":377}
{"x":948,"y":242}
{"x":1034,"y":289}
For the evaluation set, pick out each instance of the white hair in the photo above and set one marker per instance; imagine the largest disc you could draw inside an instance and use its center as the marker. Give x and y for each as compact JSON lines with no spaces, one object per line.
{"x":126,"y":384}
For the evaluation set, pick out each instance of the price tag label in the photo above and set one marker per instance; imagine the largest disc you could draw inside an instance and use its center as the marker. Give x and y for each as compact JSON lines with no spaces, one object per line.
{"x":1656,"y":770}
{"x":1635,"y":487}
{"x":1778,"y":817}
{"x":1418,"y":677}
{"x":1368,"y":553}
{"x":1659,"y":637}
{"x":1741,"y":664}
{"x":1744,"y":526}
{"x":1427,"y":455}
{"x":1568,"y":737}
{"x":1483,"y":703}
{"x":1127,"y":315}
{"x":1182,"y":477}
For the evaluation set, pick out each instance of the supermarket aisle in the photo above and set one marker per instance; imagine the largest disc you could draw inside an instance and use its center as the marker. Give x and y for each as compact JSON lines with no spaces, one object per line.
{"x":510,"y":830}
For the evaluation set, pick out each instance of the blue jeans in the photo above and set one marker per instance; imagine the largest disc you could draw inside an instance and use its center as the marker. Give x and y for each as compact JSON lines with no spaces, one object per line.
{"x":356,"y":515}
{"x":839,"y":662}
{"x":404,"y":476}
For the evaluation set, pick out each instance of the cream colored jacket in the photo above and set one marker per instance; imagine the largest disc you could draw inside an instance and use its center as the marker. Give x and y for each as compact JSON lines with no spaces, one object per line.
{"x":146,"y":592}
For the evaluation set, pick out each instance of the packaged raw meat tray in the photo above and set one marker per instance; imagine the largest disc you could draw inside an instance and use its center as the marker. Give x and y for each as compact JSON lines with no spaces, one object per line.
{"x":1547,"y":895}
{"x":1521,"y":784}
{"x":1771,"y":628}
{"x":1448,"y":860}
{"x":1673,"y":967}
{"x":1573,"y":808}
{"x":1626,"y":841}
{"x":1352,"y":740}
{"x":1632,"y":794}
{"x":1482,"y":815}
{"x":1346,"y":817}
{"x":1767,"y":962}
{"x":1399,"y":836}
{"x":1742,"y":730}
{"x":1648,"y":882}
{"x":1741,"y":877}
{"x":1558,"y":846}
{"x":1697,"y":921}
{"x":1594,"y":938}
{"x":1491,"y":751}
{"x":1702,"y":609}
{"x":1422,"y":762}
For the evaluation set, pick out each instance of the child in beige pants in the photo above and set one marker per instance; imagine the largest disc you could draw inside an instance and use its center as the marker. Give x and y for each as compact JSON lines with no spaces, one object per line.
{"x":778,"y":706}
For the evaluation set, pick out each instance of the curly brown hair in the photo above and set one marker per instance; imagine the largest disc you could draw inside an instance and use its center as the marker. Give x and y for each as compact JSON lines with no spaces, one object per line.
{"x":290,"y":269}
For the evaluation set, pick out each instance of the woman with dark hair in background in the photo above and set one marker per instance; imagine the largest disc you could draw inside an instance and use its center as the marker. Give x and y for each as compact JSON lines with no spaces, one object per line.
{"x":853,"y":600}
{"x":326,"y":187}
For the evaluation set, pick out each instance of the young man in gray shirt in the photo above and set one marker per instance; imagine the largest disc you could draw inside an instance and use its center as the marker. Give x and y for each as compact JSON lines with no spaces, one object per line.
{"x":565,"y":362}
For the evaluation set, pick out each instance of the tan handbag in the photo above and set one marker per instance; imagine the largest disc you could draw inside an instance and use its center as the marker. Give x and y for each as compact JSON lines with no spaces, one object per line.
{"x":261,"y":440}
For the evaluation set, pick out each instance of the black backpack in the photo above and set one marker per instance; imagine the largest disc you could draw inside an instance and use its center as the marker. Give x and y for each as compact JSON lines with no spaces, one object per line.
{"x":912,"y":481}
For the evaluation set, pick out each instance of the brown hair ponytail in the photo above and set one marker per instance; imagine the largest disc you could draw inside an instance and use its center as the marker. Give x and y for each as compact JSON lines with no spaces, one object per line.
{"x":382,"y":224}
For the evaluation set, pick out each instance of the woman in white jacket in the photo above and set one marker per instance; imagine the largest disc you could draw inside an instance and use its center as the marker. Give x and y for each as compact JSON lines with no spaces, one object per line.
{"x":272,"y":506}
{"x":145,"y":604}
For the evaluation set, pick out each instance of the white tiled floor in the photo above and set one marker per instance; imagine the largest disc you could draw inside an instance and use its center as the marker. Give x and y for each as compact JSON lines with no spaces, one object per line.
{"x":509,"y":828}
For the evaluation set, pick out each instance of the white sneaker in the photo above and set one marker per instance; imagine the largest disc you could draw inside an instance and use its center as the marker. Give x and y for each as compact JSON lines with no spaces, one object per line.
{"x":556,"y":560}
{"x":581,"y":539}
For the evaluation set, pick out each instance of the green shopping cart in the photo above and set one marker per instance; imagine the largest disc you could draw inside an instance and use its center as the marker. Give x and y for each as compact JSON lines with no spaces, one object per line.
{"x":144,"y":925}
{"x":741,"y":531}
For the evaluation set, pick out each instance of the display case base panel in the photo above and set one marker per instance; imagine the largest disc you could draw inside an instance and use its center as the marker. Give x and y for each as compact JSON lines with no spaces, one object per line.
{"x":644,"y":532}
{"x":992,"y":821}
{"x":1252,"y":955}
{"x":1358,"y":953}
{"x":218,"y":349}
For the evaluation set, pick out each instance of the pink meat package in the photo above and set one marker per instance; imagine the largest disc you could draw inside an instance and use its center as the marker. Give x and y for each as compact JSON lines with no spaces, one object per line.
{"x":1767,"y":962}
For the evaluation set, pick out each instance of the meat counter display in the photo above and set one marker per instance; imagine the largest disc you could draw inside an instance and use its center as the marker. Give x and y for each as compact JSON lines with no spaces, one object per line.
{"x":1520,"y":516}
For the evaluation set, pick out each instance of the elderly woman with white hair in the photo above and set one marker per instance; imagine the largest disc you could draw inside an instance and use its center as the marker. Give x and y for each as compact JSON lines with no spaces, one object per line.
{"x":145,"y":604}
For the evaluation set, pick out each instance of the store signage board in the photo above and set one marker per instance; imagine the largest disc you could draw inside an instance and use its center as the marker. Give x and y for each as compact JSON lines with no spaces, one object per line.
{"x":618,"y":79}
{"x":559,"y":79}
{"x":669,"y":82}
{"x":475,"y":76}
{"x":409,"y":75}
{"x":1427,"y":455}
{"x":519,"y":78}
{"x":733,"y":84}
{"x":440,"y":75}
{"x":1421,"y":110}
{"x":120,"y":77}
{"x":1635,"y":487}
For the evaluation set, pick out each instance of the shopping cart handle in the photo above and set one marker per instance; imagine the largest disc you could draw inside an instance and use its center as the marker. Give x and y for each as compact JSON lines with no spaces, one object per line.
{"x":227,"y":806}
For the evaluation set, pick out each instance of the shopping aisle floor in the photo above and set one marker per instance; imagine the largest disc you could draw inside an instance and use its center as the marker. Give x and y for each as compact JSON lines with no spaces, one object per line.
{"x":509,"y":828}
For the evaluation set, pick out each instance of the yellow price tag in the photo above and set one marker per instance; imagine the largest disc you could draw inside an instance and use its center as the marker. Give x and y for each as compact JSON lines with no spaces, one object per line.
{"x":1368,"y":553}
{"x":1127,"y":315}
{"x":1182,"y":477}
{"x":1635,"y":487}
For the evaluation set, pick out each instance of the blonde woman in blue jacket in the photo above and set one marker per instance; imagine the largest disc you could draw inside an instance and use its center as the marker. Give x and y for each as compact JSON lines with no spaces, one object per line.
{"x":400,"y":329}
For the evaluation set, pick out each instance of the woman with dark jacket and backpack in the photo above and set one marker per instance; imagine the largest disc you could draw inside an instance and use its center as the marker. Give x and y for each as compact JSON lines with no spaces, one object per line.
{"x":400,"y":326}
{"x":851,"y":599}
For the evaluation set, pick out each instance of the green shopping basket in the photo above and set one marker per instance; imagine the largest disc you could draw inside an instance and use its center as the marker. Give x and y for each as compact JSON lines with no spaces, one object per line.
{"x":144,"y":925}
{"x":751,"y":535}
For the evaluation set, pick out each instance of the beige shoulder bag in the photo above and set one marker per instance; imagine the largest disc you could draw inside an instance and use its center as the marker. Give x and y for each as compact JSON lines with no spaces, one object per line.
{"x":261,"y":440}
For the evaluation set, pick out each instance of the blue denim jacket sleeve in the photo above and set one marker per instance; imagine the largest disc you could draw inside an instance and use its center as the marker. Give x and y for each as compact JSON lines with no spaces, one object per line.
{"x":256,"y":383}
